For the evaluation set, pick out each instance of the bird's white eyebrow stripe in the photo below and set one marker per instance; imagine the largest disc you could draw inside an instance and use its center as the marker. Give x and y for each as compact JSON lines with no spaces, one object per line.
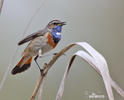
{"x":58,"y":33}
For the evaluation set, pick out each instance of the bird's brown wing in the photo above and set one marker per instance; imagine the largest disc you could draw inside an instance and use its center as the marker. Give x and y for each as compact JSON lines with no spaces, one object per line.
{"x":32,"y":36}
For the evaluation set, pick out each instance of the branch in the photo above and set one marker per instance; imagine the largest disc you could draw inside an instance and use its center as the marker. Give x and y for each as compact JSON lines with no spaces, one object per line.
{"x":46,"y":67}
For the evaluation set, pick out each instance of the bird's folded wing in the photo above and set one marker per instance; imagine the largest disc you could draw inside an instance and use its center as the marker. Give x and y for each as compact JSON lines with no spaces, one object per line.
{"x":32,"y":36}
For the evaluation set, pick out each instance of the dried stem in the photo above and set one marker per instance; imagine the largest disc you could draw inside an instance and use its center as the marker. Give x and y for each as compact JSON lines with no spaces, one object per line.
{"x":1,"y":5}
{"x":96,"y":60}
{"x":46,"y":67}
{"x":37,"y":87}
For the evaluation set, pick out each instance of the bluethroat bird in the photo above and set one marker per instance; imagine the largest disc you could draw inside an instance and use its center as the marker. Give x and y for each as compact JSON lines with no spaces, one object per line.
{"x":40,"y":43}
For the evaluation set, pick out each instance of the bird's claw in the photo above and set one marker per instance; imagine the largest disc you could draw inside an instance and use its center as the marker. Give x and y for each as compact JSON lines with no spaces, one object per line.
{"x":42,"y":72}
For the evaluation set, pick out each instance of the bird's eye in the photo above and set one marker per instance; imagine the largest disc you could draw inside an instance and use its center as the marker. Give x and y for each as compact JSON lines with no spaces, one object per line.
{"x":55,"y":23}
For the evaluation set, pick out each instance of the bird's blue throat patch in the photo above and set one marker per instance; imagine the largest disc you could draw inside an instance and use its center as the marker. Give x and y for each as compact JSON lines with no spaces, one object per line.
{"x":56,"y":33}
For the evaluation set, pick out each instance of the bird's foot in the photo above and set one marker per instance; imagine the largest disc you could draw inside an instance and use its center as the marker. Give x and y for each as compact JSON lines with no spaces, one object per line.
{"x":42,"y":72}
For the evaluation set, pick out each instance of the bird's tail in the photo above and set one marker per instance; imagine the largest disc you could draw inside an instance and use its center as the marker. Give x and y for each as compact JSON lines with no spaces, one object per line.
{"x":22,"y":65}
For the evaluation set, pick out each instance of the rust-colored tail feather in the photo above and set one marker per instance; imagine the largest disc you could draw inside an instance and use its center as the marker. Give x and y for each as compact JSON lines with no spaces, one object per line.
{"x":22,"y":65}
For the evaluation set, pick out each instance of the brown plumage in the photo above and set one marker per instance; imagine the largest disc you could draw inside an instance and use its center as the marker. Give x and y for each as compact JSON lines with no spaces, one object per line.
{"x":23,"y":65}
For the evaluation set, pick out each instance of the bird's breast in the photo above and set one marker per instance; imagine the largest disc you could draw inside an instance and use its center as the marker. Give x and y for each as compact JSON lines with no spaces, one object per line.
{"x":50,"y":40}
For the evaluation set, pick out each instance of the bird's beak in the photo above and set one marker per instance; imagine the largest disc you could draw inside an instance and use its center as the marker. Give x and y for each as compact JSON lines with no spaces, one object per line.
{"x":63,"y":23}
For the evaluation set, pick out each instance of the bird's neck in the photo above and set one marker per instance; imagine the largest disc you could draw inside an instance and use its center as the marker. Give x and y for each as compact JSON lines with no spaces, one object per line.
{"x":56,"y":33}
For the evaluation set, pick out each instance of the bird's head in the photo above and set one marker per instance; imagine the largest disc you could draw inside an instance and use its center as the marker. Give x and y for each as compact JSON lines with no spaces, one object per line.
{"x":56,"y":24}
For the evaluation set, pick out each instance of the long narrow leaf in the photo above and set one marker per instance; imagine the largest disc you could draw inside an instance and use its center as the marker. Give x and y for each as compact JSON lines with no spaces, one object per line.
{"x":101,"y":64}
{"x":98,"y":62}
{"x":89,"y":60}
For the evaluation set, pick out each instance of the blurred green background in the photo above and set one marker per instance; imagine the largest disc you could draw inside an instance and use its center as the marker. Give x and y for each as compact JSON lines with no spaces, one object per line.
{"x":98,"y":22}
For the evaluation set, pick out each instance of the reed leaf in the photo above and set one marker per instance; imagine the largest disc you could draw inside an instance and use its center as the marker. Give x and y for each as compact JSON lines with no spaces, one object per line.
{"x":97,"y":62}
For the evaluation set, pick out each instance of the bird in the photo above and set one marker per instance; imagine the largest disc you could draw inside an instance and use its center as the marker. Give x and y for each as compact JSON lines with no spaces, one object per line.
{"x":40,"y":42}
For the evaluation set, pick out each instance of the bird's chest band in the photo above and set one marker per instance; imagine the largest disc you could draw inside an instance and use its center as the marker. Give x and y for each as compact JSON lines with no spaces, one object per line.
{"x":50,"y":40}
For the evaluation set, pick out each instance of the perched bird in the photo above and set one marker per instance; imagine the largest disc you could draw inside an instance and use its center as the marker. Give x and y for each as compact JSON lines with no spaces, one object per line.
{"x":40,"y":43}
